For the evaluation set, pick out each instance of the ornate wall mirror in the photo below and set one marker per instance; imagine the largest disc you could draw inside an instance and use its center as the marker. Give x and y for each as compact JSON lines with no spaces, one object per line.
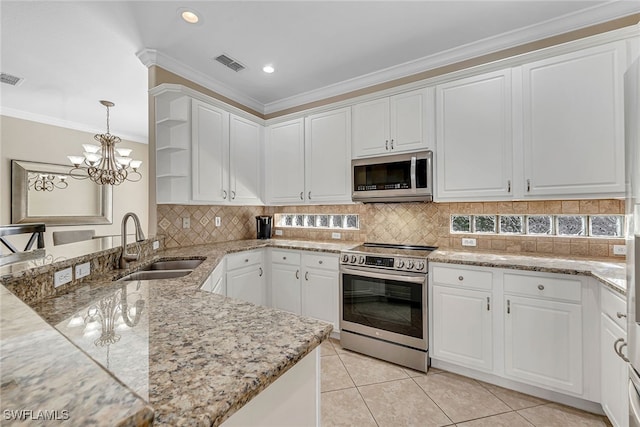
{"x":48,"y":193}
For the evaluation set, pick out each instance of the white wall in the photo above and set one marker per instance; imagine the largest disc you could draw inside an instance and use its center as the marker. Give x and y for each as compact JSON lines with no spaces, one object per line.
{"x":37,"y":142}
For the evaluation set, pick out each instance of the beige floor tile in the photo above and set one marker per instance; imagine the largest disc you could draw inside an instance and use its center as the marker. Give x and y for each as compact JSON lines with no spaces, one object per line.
{"x":414,"y":374}
{"x":402,"y":403}
{"x":333,"y":374}
{"x":509,"y":419}
{"x":366,"y":370}
{"x":461,"y":398}
{"x":553,"y":415}
{"x":326,"y":349}
{"x":336,"y":345}
{"x":344,"y":408}
{"x":514,"y":399}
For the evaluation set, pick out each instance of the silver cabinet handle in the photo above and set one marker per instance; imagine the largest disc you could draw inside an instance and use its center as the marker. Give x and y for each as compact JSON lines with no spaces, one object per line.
{"x":620,"y":315}
{"x":260,"y":268}
{"x":386,"y":144}
{"x":309,"y":195}
{"x":509,"y":186}
{"x":619,"y":350}
{"x":297,"y":274}
{"x":302,"y":195}
{"x":508,"y":307}
{"x":488,"y":303}
{"x":541,"y":287}
{"x":224,"y":194}
{"x":528,"y":185}
{"x":306,"y":275}
{"x":460,"y":278}
{"x":233,"y":195}
{"x":392,"y":144}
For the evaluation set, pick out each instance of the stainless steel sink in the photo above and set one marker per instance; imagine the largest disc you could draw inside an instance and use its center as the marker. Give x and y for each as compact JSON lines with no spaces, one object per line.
{"x":155,"y":274}
{"x":181,"y":264}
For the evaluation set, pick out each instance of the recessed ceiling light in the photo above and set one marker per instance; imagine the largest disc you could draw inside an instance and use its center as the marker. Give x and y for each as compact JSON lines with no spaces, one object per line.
{"x":268,"y":69}
{"x":189,"y":16}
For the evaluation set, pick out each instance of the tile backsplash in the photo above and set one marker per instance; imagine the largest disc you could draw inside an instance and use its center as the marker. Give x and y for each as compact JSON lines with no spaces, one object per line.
{"x":410,"y":223}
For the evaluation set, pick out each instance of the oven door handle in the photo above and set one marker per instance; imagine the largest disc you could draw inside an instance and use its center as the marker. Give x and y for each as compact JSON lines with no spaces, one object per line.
{"x":413,"y":173}
{"x":390,"y":276}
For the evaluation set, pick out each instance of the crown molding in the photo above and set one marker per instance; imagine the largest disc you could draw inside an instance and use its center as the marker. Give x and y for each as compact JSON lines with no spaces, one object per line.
{"x":151,"y":57}
{"x":561,"y":25}
{"x":53,"y":121}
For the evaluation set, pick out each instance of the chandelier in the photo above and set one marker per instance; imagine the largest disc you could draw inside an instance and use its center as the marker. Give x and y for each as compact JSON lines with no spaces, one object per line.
{"x":46,"y":181}
{"x":105,"y":164}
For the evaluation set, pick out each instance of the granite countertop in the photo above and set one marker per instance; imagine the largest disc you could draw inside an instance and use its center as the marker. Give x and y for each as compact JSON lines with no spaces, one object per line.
{"x":192,"y":356}
{"x":611,"y":274}
{"x":195,"y":357}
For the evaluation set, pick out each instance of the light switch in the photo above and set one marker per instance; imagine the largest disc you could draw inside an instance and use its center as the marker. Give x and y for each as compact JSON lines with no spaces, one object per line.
{"x":83,"y":270}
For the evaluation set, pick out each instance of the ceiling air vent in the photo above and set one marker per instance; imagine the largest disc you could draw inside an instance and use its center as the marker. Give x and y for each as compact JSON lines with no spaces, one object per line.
{"x":9,"y":79}
{"x":230,"y":63}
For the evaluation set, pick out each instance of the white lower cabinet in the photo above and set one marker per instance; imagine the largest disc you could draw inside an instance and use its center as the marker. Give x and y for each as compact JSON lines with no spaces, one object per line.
{"x":613,"y":369}
{"x":285,"y":281}
{"x":216,"y":283}
{"x":245,"y":277}
{"x":462,"y":326}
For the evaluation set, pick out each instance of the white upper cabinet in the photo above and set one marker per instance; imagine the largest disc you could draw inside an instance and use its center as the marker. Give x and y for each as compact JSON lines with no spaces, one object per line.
{"x":402,"y":122}
{"x":284,"y":168}
{"x":209,"y":145}
{"x":573,"y":111}
{"x":328,"y":156}
{"x":245,"y":161}
{"x":474,"y":137}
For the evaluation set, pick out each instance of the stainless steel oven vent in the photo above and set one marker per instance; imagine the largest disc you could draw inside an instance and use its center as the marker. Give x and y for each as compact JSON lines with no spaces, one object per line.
{"x":11,"y":80}
{"x":230,"y":63}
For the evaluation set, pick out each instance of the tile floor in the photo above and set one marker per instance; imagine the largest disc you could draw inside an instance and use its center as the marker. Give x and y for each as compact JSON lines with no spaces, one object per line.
{"x":362,"y":391}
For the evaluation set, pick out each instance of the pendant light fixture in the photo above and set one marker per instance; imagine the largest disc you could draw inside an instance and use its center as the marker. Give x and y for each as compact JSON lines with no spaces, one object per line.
{"x":105,"y":164}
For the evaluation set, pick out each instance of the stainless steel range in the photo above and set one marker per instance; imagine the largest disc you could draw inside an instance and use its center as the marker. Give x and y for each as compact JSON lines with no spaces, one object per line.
{"x":383,"y":302}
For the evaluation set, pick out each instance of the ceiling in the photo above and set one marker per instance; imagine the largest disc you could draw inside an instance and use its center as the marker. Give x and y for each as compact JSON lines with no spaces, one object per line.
{"x":72,"y":54}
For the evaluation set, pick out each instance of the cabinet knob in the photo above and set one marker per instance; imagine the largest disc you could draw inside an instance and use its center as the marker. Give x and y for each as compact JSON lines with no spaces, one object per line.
{"x":528,"y":185}
{"x":302,"y":195}
{"x":284,"y":257}
{"x":320,"y":262}
{"x":297,"y":274}
{"x":260,"y":271}
{"x":224,"y":194}
{"x":541,"y":287}
{"x":460,"y":278}
{"x":386,"y":144}
{"x":620,"y":315}
{"x":509,"y":186}
{"x":306,"y":275}
{"x":246,"y":260}
{"x":233,"y":195}
{"x":392,"y":144}
{"x":309,"y":195}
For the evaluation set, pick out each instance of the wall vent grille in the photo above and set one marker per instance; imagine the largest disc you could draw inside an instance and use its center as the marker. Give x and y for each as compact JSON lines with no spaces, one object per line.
{"x":229,"y":62}
{"x":11,"y":80}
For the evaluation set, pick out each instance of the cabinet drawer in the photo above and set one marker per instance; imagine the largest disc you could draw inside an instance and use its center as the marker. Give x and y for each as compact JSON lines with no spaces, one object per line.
{"x":325,"y":262}
{"x":612,"y":304}
{"x":467,"y":278}
{"x":242,"y":259}
{"x":544,"y":287}
{"x":285,"y":257}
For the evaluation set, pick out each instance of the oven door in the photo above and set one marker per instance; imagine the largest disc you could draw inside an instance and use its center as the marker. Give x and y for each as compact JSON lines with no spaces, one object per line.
{"x":391,"y":306}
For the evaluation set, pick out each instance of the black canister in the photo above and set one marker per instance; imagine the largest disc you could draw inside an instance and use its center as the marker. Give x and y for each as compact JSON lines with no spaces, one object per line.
{"x":263,"y":225}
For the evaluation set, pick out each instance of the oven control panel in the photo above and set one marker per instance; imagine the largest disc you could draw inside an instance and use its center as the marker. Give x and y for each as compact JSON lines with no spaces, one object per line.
{"x":386,"y":262}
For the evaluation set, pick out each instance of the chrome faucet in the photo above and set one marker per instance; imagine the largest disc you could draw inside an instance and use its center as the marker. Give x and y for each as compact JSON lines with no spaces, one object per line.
{"x":126,"y":257}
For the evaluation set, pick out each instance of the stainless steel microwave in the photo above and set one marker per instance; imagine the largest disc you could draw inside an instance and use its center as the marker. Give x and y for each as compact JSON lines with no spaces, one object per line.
{"x":398,"y":178}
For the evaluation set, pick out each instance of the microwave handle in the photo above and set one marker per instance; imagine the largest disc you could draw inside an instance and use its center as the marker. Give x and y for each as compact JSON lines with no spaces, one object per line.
{"x":413,"y":173}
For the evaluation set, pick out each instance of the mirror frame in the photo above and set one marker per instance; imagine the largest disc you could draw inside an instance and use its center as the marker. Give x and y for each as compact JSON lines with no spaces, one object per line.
{"x":19,"y":199}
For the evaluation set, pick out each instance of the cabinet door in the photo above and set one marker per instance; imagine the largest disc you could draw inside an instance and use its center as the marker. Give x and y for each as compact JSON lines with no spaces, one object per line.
{"x":474,"y":138}
{"x":210,"y":159}
{"x":371,"y":128}
{"x":320,"y":295}
{"x":328,"y":156}
{"x":285,"y":287}
{"x":613,"y":374}
{"x":573,"y":123}
{"x":285,"y":162}
{"x":462,"y":327}
{"x":247,"y":284}
{"x":245,"y":161}
{"x":543,"y":343}
{"x":411,"y":120}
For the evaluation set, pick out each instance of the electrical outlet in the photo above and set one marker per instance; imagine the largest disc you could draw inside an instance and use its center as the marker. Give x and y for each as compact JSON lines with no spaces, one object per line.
{"x":156,"y":245}
{"x":186,"y":222}
{"x":61,"y":277}
{"x":278,"y":232}
{"x":218,"y":222}
{"x":468,"y":242}
{"x":335,"y":235}
{"x":83,"y":270}
{"x":619,"y":250}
